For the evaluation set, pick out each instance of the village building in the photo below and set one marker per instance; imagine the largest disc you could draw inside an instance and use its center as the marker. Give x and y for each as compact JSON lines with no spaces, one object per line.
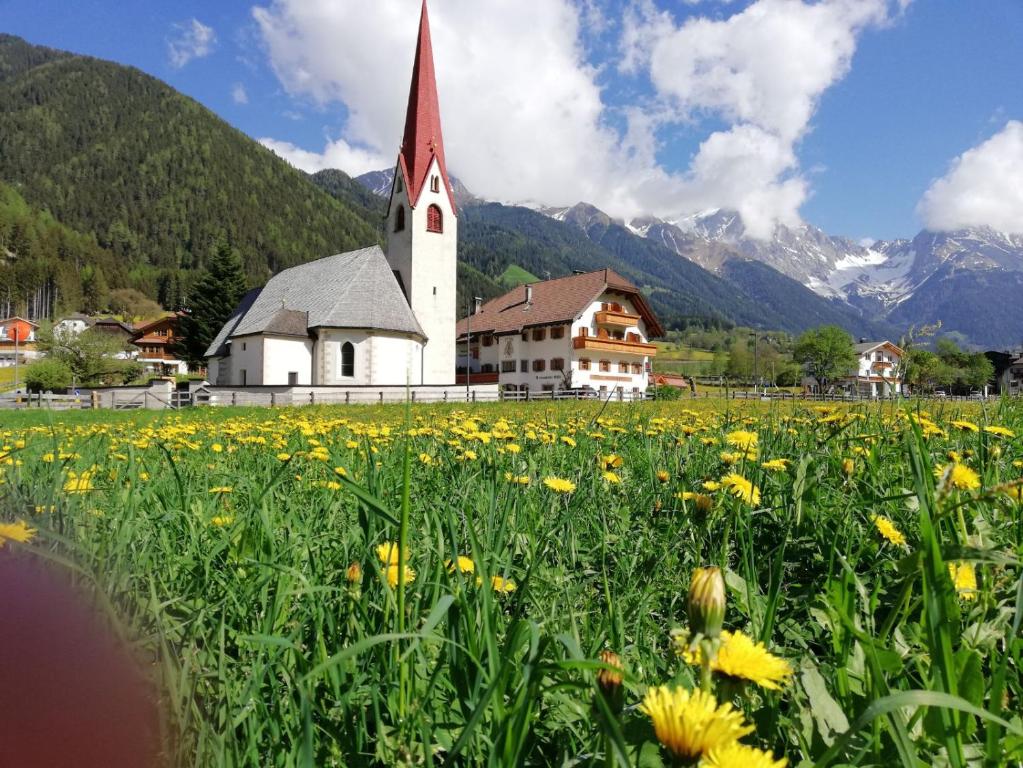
{"x":367,"y":317}
{"x":878,"y":371}
{"x":585,"y":332}
{"x":17,"y":341}
{"x":156,"y":345}
{"x":1011,"y":381}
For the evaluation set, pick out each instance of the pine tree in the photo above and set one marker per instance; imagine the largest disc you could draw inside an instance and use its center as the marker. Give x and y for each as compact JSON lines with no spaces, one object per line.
{"x":211,"y":302}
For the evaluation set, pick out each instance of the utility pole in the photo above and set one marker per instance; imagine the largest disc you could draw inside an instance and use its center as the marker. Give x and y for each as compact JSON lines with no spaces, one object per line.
{"x":468,"y":346}
{"x":756,"y":360}
{"x":16,"y":334}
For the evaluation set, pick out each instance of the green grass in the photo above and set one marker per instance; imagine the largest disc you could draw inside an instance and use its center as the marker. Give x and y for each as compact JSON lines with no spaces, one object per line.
{"x":268,"y":655}
{"x":515,"y":275}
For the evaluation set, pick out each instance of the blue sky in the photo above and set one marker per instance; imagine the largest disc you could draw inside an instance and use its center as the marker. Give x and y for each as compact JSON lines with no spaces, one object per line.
{"x":901,"y":93}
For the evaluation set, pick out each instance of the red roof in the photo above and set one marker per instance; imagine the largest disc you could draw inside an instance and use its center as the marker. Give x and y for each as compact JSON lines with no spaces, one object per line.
{"x":423,"y":139}
{"x":554,"y":302}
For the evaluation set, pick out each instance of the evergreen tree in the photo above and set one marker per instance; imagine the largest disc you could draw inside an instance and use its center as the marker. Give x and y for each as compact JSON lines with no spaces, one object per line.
{"x":211,"y":302}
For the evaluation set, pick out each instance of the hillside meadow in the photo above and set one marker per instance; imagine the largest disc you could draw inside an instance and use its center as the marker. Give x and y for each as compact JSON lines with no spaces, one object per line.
{"x":510,"y":585}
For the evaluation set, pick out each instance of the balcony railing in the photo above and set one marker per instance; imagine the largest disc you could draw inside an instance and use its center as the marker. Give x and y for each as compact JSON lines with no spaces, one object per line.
{"x":623,"y":346}
{"x":477,"y":378}
{"x":616,"y":319}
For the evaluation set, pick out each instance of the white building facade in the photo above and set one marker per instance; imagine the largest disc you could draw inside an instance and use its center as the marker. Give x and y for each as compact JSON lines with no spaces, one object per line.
{"x":879,"y":370}
{"x":588,"y":332}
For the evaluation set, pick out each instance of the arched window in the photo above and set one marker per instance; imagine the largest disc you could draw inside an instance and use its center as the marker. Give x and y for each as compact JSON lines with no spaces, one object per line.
{"x":434,"y":219}
{"x":435,"y":183}
{"x":399,"y":219}
{"x":348,"y":359}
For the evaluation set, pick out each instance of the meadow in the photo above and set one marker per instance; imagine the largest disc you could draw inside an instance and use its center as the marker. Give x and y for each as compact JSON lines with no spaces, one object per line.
{"x":518,"y":584}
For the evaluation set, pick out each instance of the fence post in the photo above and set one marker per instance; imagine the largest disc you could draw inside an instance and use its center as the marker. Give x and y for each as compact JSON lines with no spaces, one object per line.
{"x":312,"y":397}
{"x":273,"y":399}
{"x":413,"y":395}
{"x":381,"y":397}
{"x":234,"y":398}
{"x":474,"y":395}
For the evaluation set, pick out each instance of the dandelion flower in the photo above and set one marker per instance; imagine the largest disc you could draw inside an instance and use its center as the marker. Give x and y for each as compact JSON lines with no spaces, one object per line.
{"x":959,"y":476}
{"x":737,"y":755}
{"x":559,"y":485}
{"x":691,"y":724}
{"x":463,"y":565}
{"x":611,"y":478}
{"x":776,"y":465}
{"x":353,"y":575}
{"x":502,"y":585}
{"x":662,"y":476}
{"x":222,"y":489}
{"x":19,"y":532}
{"x":999,"y":431}
{"x":388,"y":553}
{"x":740,"y":658}
{"x":743,"y":440}
{"x":741,"y":488}
{"x":610,"y":461}
{"x":966,"y":426}
{"x":965,"y":580}
{"x":392,"y":575}
{"x":570,"y":442}
{"x":888,"y":530}
{"x":222,"y":520}
{"x":79,"y":483}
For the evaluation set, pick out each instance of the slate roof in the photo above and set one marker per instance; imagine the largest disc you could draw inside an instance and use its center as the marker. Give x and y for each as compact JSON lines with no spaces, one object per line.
{"x":348,"y":290}
{"x":561,"y":300}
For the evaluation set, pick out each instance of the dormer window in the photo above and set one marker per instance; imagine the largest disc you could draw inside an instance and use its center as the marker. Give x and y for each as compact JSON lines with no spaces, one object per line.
{"x":399,"y":219}
{"x":434,"y":219}
{"x":435,"y":183}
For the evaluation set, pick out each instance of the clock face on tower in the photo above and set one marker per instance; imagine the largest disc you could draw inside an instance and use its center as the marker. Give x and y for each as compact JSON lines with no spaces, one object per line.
{"x":509,"y":348}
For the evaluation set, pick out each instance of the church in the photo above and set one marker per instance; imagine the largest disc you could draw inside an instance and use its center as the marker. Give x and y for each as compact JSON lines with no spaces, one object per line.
{"x":369,"y":317}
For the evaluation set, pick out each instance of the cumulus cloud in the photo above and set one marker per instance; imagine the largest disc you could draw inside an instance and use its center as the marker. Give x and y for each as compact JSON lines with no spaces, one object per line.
{"x":239,"y":95}
{"x":190,"y":40}
{"x":337,"y":154}
{"x":525,"y":116}
{"x":983,"y":187}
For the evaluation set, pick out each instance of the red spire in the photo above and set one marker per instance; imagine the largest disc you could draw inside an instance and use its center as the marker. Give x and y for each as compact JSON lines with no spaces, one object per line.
{"x":423,"y":139}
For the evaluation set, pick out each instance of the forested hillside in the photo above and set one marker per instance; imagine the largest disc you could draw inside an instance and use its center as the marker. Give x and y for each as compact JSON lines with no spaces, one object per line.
{"x":153,"y":175}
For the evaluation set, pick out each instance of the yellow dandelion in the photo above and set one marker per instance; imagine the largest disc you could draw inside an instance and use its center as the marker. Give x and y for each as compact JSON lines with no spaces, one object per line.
{"x":742,"y":659}
{"x":737,"y":755}
{"x":353,"y":575}
{"x":711,"y":485}
{"x":611,"y":478}
{"x":222,"y":489}
{"x":283,"y":456}
{"x":388,"y":553}
{"x":999,"y":431}
{"x":513,"y":448}
{"x":217,"y":448}
{"x":462,"y":565}
{"x":19,"y":532}
{"x":741,"y":488}
{"x":743,"y":440}
{"x":502,"y":585}
{"x":392,"y":575}
{"x":776,"y":465}
{"x":559,"y":485}
{"x":79,"y":483}
{"x":959,"y":476}
{"x":570,"y":442}
{"x":888,"y":530}
{"x":966,"y":426}
{"x":965,"y":580}
{"x":610,"y":461}
{"x":221,"y":520}
{"x":426,"y":458}
{"x":691,"y":724}
{"x":662,"y":476}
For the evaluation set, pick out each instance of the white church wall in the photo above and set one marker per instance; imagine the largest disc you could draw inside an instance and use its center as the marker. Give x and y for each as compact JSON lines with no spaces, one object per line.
{"x":380,"y":358}
{"x":247,"y":354}
{"x":284,"y":356}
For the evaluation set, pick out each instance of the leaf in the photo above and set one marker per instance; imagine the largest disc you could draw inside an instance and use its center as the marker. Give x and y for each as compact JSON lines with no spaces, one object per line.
{"x":827,"y":713}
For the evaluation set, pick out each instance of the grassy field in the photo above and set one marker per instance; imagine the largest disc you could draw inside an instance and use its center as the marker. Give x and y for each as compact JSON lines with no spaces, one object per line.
{"x":508,"y":586}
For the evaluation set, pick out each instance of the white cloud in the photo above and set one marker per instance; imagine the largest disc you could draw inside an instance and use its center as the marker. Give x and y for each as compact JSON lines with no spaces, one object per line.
{"x":525,"y":117}
{"x":337,"y":154}
{"x":983,"y":187}
{"x":239,"y":95}
{"x":190,"y":40}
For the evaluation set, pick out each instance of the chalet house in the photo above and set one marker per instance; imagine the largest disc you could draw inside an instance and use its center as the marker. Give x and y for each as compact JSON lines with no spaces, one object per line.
{"x":587,"y":331}
{"x":1011,"y":382}
{"x":79,"y":323}
{"x":878,"y":372}
{"x":371,"y":316}
{"x":155,"y":342}
{"x":19,"y":334}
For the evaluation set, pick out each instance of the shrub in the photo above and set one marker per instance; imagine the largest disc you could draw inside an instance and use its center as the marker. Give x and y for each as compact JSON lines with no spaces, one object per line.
{"x":47,"y":375}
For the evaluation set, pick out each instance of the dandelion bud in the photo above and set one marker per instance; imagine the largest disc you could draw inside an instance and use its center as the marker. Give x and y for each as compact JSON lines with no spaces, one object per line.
{"x":848,"y":467}
{"x":354,"y":573}
{"x":663,"y":476}
{"x":707,"y":601}
{"x":610,"y":680}
{"x":996,"y":451}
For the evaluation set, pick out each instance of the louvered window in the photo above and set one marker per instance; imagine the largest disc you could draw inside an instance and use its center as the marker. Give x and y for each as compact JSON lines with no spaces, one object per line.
{"x":434,"y":219}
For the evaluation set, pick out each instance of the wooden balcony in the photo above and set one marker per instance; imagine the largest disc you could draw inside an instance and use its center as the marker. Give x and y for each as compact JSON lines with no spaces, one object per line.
{"x":477,"y":378}
{"x":619,"y":346}
{"x":616,"y":319}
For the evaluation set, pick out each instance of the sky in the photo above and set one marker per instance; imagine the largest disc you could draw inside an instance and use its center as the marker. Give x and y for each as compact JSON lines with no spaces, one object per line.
{"x":868,"y":118}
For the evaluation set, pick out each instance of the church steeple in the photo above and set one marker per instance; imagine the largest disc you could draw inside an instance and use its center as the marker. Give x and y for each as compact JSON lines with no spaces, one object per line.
{"x":423,"y":140}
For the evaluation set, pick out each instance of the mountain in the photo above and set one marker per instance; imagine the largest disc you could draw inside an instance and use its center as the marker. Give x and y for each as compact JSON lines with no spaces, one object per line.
{"x":962,"y":278}
{"x":154,"y":176}
{"x":501,"y":240}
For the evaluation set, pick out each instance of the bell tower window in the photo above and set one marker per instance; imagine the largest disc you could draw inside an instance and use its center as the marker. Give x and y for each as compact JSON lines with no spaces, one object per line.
{"x":399,"y":219}
{"x":435,"y":183}
{"x":434,"y":219}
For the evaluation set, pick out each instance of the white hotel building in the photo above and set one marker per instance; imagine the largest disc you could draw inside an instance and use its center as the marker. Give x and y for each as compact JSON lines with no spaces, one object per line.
{"x":588,"y":331}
